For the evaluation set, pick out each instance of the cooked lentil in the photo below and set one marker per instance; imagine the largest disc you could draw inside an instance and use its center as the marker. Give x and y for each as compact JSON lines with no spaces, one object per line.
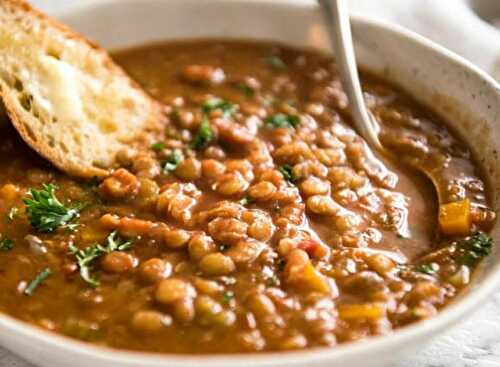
{"x":261,"y":222}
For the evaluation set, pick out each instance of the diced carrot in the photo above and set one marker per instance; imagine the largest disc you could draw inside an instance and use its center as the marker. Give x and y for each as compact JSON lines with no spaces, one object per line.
{"x":301,"y":273}
{"x":314,"y":280}
{"x":365,"y":311}
{"x":455,"y":218}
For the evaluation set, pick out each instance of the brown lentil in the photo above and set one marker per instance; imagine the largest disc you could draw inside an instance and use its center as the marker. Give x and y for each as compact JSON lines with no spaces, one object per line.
{"x":275,"y":230}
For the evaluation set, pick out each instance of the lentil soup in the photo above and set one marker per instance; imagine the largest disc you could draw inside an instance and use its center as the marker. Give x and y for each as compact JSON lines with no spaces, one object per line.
{"x":261,"y":221}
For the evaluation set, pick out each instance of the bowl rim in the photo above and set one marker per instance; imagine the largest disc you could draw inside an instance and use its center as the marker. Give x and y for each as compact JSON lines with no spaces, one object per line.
{"x":463,"y":306}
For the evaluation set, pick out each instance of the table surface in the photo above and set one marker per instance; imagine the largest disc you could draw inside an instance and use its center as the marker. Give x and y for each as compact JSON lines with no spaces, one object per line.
{"x":476,"y":342}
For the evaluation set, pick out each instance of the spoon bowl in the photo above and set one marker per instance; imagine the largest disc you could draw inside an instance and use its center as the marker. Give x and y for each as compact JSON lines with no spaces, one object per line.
{"x":336,"y":16}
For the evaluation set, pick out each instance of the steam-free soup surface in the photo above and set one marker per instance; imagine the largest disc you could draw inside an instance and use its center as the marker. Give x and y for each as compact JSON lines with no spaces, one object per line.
{"x":261,"y":221}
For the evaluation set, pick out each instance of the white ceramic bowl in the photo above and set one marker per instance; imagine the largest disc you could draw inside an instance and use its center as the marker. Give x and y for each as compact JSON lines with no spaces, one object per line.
{"x":467,"y":98}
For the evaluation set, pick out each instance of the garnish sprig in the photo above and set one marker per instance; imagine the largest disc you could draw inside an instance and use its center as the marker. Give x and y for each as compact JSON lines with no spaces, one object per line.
{"x":6,"y":244}
{"x":171,"y":163}
{"x":427,"y":268}
{"x":46,"y":213}
{"x":204,"y":135}
{"x":280,"y":120}
{"x":216,"y":103}
{"x":39,"y":279}
{"x":85,"y":257}
{"x":287,"y":171}
{"x":476,"y":247}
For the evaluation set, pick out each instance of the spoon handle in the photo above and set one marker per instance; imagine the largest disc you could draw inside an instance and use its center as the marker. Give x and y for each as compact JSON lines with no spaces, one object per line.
{"x":336,"y":17}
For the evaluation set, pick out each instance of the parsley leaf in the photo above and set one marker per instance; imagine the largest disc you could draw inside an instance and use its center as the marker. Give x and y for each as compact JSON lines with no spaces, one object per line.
{"x":114,"y":243}
{"x":429,"y":269}
{"x":281,"y":120}
{"x":46,"y":213}
{"x":171,"y":163}
{"x":204,"y":135}
{"x":158,"y":146}
{"x":39,"y":279}
{"x":213,"y":104}
{"x":476,"y":247}
{"x":6,"y":244}
{"x":12,"y":213}
{"x":276,"y":63}
{"x":85,"y":257}
{"x":287,"y":172}
{"x":227,"y":297}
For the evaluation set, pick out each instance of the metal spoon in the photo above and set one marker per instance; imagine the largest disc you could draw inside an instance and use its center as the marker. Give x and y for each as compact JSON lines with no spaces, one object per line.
{"x":337,"y":21}
{"x":336,"y":17}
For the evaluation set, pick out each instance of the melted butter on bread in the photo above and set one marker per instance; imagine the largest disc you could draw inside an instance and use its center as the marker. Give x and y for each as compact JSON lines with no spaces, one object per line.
{"x":66,"y":97}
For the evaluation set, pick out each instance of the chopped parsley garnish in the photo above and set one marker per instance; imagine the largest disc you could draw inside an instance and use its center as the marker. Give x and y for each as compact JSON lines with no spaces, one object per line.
{"x":246,"y":201}
{"x":281,"y":120}
{"x":429,"y":269}
{"x":39,"y":279}
{"x":84,"y":260}
{"x":204,"y":135}
{"x":227,"y":297}
{"x":12,"y":213}
{"x":114,"y":243}
{"x":287,"y":172}
{"x":6,"y":244}
{"x":46,"y":213}
{"x":215,"y":103}
{"x":158,"y":146}
{"x":85,"y":257}
{"x":171,"y":163}
{"x":276,"y":63}
{"x":476,"y":247}
{"x":246,"y":90}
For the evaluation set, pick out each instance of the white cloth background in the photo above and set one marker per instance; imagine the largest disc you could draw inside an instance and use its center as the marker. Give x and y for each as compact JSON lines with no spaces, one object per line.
{"x":475,"y":343}
{"x":449,"y":22}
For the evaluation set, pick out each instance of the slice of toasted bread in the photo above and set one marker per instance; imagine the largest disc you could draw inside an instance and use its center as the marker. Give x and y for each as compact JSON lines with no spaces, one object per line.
{"x":66,"y":97}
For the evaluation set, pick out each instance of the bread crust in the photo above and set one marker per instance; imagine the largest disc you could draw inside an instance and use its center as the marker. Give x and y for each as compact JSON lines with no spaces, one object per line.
{"x":153,"y":124}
